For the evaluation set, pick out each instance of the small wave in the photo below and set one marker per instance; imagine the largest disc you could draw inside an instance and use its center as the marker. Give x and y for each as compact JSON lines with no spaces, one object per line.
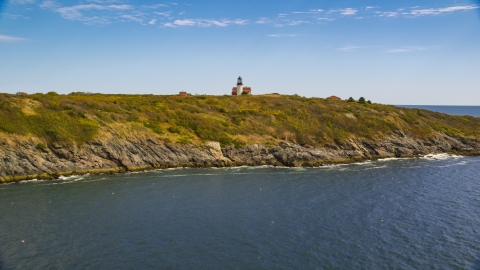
{"x":389,"y":159}
{"x":73,"y":178}
{"x":453,"y":165}
{"x":61,"y":180}
{"x":68,"y":177}
{"x":440,"y":157}
{"x":375,"y":167}
{"x":136,"y":172}
{"x":67,"y":182}
{"x":31,"y":181}
{"x":261,"y":166}
{"x":281,"y":167}
{"x":226,"y":168}
{"x":188,"y":175}
{"x":175,"y":169}
{"x":363,"y":163}
{"x":299,"y":169}
{"x":332,"y":166}
{"x":204,"y":174}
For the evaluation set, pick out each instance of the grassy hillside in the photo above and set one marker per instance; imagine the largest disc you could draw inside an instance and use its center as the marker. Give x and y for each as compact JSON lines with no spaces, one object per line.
{"x":269,"y":119}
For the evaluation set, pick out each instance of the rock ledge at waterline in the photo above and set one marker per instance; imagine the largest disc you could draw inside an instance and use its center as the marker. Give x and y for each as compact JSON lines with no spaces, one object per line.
{"x":24,"y":160}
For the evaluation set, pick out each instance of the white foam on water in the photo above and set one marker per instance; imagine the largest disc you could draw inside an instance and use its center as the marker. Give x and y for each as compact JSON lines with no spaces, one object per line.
{"x":300,"y":169}
{"x":453,"y":165}
{"x":136,"y":172}
{"x":173,"y":169}
{"x":67,"y":182}
{"x":390,"y":159}
{"x":282,"y":167}
{"x":188,"y":175}
{"x":205,"y":174}
{"x":364,"y":163}
{"x":440,"y":157}
{"x":328,"y":166}
{"x":261,"y":166}
{"x":375,"y":167}
{"x":338,"y":167}
{"x":62,"y":180}
{"x":62,"y":177}
{"x":31,"y":181}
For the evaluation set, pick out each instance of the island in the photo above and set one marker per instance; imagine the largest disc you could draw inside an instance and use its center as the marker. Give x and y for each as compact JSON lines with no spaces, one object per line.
{"x":45,"y":136}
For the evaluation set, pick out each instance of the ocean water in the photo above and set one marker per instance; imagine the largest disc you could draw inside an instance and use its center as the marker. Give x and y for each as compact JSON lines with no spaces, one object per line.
{"x":389,"y":214}
{"x":454,"y":110}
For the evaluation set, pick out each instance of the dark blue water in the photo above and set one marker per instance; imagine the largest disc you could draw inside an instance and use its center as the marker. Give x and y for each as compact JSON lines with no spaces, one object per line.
{"x":453,"y":110}
{"x":394,"y":214}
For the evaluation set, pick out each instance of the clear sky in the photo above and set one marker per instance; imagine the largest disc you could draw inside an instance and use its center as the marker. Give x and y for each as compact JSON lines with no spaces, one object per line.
{"x":395,"y":52}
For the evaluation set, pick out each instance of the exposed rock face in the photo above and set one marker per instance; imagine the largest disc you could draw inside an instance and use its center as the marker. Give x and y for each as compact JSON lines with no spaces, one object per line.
{"x":25,"y":160}
{"x":394,"y":146}
{"x":216,"y":150}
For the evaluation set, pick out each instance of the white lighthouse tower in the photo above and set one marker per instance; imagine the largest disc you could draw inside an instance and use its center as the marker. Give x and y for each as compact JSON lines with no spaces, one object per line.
{"x":239,"y":86}
{"x":240,"y":89}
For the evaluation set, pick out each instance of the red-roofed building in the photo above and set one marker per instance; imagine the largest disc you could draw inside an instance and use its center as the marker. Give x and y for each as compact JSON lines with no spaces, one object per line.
{"x":334,"y":97}
{"x":183,"y":94}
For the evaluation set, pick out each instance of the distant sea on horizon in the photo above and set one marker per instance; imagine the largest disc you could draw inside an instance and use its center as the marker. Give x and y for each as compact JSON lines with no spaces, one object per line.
{"x":448,"y":109}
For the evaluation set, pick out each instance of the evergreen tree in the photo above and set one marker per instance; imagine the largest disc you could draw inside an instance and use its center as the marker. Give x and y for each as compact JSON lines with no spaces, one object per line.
{"x":351,"y":100}
{"x":361,"y":100}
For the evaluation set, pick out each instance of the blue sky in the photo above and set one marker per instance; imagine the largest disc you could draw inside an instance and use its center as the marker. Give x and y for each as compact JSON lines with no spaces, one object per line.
{"x":395,"y":52}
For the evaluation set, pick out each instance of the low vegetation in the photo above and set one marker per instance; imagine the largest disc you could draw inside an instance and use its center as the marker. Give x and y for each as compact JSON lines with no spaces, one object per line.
{"x":231,"y":120}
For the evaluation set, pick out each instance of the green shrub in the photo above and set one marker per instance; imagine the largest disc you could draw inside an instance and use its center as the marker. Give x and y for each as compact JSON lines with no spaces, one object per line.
{"x":174,"y":130}
{"x":154,"y":127}
{"x":41,"y":146}
{"x":184,"y":140}
{"x":239,"y":143}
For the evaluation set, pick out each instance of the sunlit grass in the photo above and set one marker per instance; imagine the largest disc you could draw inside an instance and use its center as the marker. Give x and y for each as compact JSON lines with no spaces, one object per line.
{"x":269,"y":119}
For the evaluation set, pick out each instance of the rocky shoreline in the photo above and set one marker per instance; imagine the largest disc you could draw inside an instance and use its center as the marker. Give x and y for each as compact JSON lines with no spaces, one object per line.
{"x":23,"y":159}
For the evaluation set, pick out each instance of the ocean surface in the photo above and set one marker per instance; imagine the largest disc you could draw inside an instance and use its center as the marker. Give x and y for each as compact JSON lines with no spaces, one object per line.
{"x":389,"y":214}
{"x":454,"y":110}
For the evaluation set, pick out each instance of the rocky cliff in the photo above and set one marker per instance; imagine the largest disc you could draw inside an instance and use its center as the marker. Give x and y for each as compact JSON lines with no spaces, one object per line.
{"x":22,"y":158}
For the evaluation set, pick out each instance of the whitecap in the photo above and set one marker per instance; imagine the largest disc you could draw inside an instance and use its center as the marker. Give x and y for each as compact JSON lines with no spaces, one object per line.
{"x":62,"y":177}
{"x":30,"y":181}
{"x":390,"y":159}
{"x":375,"y":167}
{"x":363,"y":163}
{"x":66,"y":180}
{"x":442,"y":156}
